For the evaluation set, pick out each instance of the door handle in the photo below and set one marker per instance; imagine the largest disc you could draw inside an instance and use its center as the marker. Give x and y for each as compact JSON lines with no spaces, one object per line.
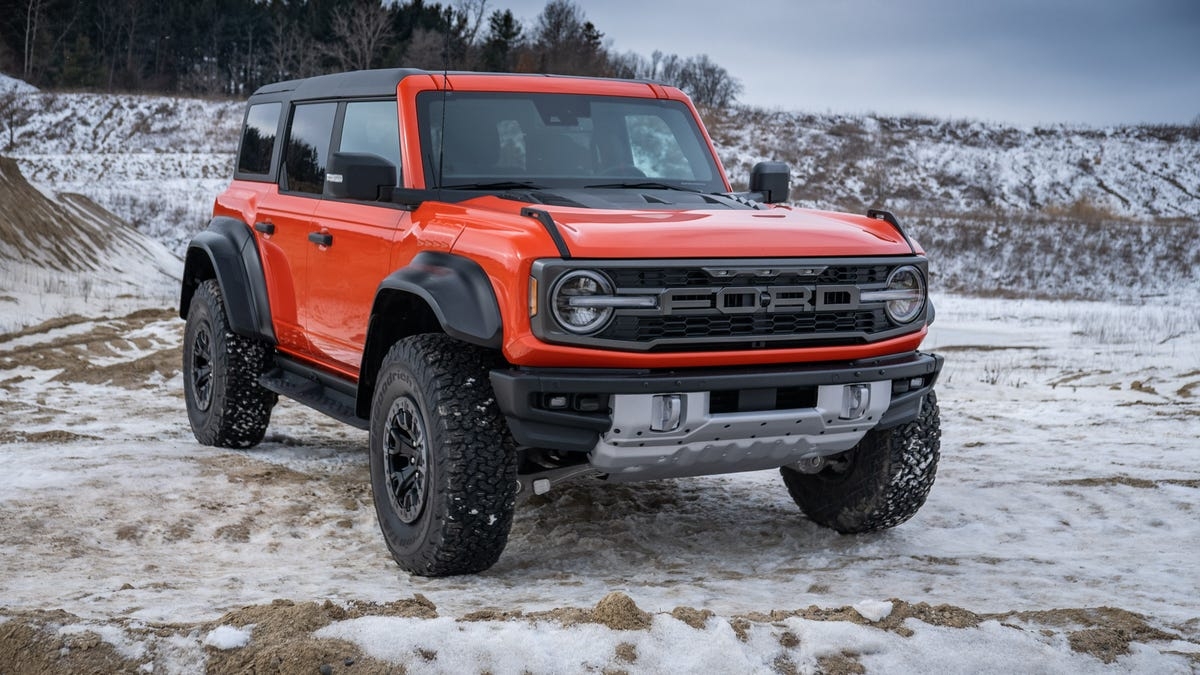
{"x":321,"y":238}
{"x":265,"y":227}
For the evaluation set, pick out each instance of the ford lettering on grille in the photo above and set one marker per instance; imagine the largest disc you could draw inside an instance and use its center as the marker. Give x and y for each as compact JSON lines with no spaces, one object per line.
{"x":759,"y":299}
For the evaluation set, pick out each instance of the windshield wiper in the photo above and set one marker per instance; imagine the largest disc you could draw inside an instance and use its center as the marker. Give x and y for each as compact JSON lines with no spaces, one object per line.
{"x":643,"y":185}
{"x":497,"y":185}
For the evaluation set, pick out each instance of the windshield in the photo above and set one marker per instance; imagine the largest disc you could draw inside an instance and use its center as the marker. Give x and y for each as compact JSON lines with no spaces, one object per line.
{"x":501,"y":140}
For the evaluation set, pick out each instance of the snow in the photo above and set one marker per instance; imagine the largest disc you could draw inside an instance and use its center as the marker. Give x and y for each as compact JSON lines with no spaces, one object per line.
{"x":228,"y":637}
{"x":873,"y":610}
{"x":15,"y":86}
{"x":113,"y":635}
{"x":1068,"y":478}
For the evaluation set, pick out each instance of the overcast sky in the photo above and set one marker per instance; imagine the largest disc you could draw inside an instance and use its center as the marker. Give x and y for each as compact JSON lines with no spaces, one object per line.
{"x":1024,"y":61}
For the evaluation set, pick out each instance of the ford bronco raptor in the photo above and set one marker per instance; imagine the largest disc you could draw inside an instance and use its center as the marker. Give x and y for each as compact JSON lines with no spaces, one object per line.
{"x":516,"y":280}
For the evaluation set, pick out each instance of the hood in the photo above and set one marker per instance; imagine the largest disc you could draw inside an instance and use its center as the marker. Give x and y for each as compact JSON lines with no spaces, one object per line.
{"x":778,"y":232}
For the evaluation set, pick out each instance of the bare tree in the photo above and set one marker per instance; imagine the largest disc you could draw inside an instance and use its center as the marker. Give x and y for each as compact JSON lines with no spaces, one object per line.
{"x":472,"y":12}
{"x":359,"y":33}
{"x":568,"y":43}
{"x":629,"y":66}
{"x":426,"y":49}
{"x":707,"y":83}
{"x":33,"y":16}
{"x":16,"y":107}
{"x":291,"y":53}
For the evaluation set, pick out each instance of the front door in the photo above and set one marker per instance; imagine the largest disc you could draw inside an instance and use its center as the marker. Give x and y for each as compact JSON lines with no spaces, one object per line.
{"x":345,"y":269}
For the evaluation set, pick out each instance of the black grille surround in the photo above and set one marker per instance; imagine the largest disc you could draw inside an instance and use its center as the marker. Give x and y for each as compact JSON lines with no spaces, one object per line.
{"x":735,"y":304}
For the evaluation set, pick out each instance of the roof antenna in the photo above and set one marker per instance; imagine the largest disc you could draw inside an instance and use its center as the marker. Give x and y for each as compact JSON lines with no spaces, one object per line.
{"x":445,"y":89}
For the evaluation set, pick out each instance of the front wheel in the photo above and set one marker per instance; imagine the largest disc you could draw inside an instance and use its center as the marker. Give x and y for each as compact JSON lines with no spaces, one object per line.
{"x":443,"y":465}
{"x":877,"y":484}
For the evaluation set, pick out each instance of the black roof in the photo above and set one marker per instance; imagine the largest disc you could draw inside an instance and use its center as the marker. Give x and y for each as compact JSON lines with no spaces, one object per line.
{"x":381,"y":82}
{"x":361,"y":83}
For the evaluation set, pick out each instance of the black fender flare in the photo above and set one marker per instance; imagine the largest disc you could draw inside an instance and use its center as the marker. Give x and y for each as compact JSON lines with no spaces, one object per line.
{"x":448,"y":290}
{"x":227,"y":252}
{"x":457,"y":290}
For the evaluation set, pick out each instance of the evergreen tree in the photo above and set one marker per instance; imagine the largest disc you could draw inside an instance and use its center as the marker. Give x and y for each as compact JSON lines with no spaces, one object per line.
{"x":503,"y":39}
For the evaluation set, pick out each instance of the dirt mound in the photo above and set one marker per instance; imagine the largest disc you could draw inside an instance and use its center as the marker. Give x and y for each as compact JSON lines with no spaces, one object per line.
{"x":71,"y":234}
{"x":1103,"y":632}
{"x":618,"y":612}
{"x":36,"y":644}
{"x":62,"y":254}
{"x":282,"y":641}
{"x":56,"y":642}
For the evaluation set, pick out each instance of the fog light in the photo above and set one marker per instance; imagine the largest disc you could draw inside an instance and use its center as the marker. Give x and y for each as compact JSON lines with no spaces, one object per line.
{"x":665,"y":412}
{"x":556,"y":401}
{"x":587,"y":403}
{"x":856,"y":398}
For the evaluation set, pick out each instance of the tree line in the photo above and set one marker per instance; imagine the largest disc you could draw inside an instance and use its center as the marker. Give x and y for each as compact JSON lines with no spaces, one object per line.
{"x":231,"y":47}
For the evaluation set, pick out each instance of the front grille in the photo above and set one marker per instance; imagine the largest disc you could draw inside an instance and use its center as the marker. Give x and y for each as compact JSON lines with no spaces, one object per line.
{"x":645,"y":328}
{"x":710,"y":305}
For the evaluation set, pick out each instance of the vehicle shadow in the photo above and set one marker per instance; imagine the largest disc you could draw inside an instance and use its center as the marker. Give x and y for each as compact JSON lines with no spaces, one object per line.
{"x":743,"y":524}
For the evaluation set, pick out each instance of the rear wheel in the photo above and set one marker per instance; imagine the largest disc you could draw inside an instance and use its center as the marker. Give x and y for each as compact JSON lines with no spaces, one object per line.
{"x":443,"y":466}
{"x":879,"y":483}
{"x":225,"y":404}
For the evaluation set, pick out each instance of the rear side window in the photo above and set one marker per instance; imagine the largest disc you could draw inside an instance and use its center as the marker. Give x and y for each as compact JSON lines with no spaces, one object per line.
{"x":308,"y":147}
{"x":258,"y":138}
{"x":372,"y":127}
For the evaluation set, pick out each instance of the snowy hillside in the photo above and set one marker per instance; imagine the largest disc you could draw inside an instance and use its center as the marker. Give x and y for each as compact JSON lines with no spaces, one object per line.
{"x":154,"y":161}
{"x":927,"y":166}
{"x":158,"y":162}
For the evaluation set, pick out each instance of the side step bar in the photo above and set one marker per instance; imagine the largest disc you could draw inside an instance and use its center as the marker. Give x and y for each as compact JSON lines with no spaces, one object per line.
{"x":314,"y":388}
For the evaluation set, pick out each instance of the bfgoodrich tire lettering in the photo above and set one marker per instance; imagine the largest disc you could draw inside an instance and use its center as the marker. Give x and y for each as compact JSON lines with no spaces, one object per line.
{"x":880,"y":483}
{"x":225,"y":404}
{"x":443,"y":466}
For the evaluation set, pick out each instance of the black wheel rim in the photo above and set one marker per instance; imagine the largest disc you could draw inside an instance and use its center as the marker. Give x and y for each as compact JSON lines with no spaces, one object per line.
{"x":406,"y":458}
{"x":202,"y":368}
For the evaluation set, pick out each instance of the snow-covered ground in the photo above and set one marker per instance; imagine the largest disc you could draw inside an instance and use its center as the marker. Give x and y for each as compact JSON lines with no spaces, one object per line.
{"x":1069,"y":480}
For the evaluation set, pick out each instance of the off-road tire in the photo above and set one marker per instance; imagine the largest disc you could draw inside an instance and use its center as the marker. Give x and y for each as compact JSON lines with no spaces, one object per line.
{"x":879,"y":483}
{"x":225,"y":404}
{"x":445,"y":495}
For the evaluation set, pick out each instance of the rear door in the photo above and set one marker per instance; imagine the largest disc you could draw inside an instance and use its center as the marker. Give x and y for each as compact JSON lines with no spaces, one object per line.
{"x":346,"y":268}
{"x":285,"y":221}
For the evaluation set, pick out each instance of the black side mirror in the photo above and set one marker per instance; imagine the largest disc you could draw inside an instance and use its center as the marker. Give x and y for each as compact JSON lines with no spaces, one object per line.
{"x":358,"y":175}
{"x":771,"y":179}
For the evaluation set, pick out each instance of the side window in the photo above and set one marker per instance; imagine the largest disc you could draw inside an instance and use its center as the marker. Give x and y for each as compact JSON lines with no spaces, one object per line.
{"x":372,"y":127}
{"x":258,"y":138}
{"x":308,"y":147}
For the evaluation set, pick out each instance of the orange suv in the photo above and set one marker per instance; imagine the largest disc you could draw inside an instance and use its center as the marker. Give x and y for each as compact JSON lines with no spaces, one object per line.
{"x":517,"y":280}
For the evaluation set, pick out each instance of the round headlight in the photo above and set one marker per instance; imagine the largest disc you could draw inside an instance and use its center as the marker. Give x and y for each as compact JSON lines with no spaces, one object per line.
{"x":906,"y":293}
{"x":568,"y":300}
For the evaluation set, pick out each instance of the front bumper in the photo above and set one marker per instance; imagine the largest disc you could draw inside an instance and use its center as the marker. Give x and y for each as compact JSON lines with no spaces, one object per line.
{"x":730,"y":419}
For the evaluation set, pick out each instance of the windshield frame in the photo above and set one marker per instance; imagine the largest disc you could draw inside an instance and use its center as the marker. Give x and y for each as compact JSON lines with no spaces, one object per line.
{"x":591,"y":119}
